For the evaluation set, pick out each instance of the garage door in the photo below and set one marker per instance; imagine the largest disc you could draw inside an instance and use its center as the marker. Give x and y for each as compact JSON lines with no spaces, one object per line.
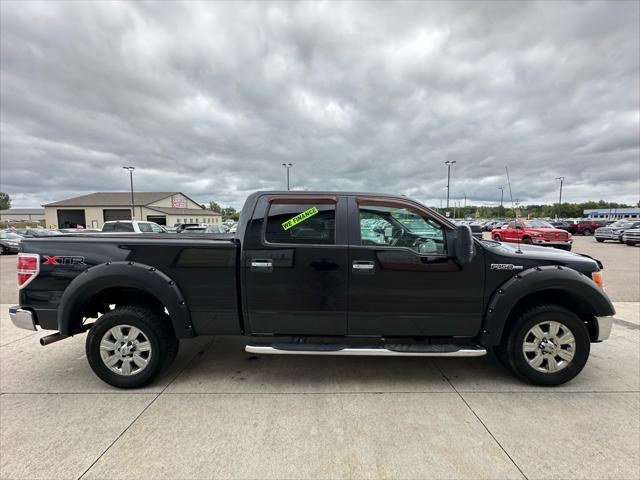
{"x":116,"y":214}
{"x":71,"y":218}
{"x":159,"y":219}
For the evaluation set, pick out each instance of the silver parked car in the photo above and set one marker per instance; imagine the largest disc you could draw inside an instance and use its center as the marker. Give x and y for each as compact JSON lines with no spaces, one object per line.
{"x":615,"y":231}
{"x":631,"y":237}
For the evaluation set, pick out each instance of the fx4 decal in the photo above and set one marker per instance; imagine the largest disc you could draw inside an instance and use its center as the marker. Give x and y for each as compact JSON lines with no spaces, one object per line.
{"x":62,"y":260}
{"x":505,"y":266}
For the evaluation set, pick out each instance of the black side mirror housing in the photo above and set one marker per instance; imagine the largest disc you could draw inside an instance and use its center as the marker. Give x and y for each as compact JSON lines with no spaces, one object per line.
{"x":465,"y":248}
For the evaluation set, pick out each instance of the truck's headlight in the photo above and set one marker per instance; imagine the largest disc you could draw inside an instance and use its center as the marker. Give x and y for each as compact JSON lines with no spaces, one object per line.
{"x":597,"y":277}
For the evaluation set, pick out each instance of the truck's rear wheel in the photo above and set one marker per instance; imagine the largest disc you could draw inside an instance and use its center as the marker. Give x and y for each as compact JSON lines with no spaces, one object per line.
{"x":128,"y":347}
{"x":547,"y":345}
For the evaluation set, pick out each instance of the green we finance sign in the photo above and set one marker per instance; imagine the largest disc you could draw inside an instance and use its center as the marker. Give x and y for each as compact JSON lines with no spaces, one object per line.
{"x":301,"y":217}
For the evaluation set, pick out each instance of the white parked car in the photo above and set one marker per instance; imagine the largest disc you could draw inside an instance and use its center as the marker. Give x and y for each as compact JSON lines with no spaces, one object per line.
{"x":131,"y":226}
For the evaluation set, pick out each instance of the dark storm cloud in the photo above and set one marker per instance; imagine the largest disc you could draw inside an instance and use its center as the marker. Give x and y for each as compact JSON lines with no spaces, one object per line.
{"x":211,"y":98}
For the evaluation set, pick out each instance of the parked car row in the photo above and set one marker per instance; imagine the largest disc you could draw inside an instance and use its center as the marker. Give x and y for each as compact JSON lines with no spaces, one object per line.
{"x":616,"y":231}
{"x":10,"y":238}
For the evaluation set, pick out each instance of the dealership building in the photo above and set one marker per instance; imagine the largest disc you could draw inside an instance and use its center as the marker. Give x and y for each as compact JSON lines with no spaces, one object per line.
{"x":92,"y":210}
{"x":613,"y":213}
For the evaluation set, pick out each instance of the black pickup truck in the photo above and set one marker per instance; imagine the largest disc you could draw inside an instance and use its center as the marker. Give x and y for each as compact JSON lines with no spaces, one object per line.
{"x":316,"y":273}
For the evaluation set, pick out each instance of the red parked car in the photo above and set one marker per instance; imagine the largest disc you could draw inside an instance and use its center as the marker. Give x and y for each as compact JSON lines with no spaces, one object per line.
{"x":537,"y":232}
{"x":586,"y":227}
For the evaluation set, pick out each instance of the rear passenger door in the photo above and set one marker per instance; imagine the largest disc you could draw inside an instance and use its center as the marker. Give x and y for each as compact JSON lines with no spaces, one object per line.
{"x":295,"y":266}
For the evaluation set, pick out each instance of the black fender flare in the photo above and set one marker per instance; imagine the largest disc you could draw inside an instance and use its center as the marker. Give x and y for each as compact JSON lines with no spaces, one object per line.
{"x":123,"y":274}
{"x":536,"y":280}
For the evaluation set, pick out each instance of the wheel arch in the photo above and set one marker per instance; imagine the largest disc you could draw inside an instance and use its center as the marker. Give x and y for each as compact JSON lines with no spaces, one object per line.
{"x":548,"y":284}
{"x":122,"y":283}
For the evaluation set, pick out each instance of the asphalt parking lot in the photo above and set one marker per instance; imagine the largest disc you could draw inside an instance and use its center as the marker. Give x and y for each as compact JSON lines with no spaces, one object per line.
{"x":222,"y":413}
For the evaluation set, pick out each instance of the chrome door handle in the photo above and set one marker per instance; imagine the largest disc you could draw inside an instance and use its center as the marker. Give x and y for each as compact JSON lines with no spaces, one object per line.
{"x":362,"y":266}
{"x":261,"y":265}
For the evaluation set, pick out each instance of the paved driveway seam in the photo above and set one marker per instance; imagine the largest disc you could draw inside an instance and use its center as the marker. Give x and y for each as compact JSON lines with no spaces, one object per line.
{"x":146,"y":408}
{"x":483,"y":424}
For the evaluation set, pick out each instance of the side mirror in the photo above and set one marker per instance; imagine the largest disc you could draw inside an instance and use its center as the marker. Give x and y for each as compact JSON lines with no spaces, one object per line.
{"x":465,"y":248}
{"x":518,"y":227}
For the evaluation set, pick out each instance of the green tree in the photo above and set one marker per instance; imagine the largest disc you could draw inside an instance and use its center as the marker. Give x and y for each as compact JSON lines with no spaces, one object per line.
{"x":5,"y":201}
{"x":230,"y":213}
{"x":215,"y":207}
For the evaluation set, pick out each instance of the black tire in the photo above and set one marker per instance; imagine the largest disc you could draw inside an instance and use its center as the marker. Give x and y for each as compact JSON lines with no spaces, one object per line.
{"x":599,"y":240}
{"x":587,"y":232}
{"x":631,"y":244}
{"x":515,"y":337}
{"x":153,"y":325}
{"x":565,"y":247}
{"x":527,"y":240}
{"x":497,"y":238}
{"x":3,"y":251}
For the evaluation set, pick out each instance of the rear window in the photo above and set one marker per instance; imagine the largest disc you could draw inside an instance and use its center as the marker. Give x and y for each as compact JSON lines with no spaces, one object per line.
{"x":303,"y":223}
{"x":124,"y":227}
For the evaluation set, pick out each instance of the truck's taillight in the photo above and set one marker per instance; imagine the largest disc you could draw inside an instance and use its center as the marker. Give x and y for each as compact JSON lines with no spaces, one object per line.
{"x":28,"y":268}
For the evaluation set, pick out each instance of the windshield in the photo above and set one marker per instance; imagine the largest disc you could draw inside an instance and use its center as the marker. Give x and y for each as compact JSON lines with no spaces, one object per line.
{"x":622,"y":224}
{"x":537,"y":224}
{"x":9,"y":235}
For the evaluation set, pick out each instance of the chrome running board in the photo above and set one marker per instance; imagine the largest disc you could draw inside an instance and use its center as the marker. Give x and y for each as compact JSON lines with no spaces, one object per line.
{"x":396,"y":350}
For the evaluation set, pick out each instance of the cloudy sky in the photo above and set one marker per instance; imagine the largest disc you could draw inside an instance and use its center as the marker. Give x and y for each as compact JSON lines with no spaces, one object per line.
{"x":212,"y":98}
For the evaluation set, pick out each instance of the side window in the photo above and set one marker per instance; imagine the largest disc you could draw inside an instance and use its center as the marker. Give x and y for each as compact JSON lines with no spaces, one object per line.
{"x":109,"y":227}
{"x":301,"y":224}
{"x":123,"y":227}
{"x":511,"y":225}
{"x":145,"y":227}
{"x":400,"y":227}
{"x":156,"y":228}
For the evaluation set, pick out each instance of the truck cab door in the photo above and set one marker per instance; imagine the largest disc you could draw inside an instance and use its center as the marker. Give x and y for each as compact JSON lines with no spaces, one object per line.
{"x":295,"y":266}
{"x":518,"y":231}
{"x":510,"y":231}
{"x":404,"y":281}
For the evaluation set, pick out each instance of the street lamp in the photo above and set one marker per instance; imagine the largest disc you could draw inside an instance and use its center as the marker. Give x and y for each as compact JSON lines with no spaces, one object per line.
{"x":501,"y":199}
{"x":131,"y":169}
{"x":448,"y":163}
{"x":561,"y":182}
{"x":287,"y":166}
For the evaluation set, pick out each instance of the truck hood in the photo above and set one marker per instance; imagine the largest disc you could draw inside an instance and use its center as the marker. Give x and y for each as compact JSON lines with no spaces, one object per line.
{"x":531,"y":255}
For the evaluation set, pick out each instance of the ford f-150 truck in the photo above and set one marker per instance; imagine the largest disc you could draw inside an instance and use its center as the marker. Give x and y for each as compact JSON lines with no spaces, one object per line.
{"x":316,"y":273}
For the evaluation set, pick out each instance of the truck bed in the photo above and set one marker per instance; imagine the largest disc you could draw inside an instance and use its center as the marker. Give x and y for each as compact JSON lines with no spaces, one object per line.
{"x":204,"y":266}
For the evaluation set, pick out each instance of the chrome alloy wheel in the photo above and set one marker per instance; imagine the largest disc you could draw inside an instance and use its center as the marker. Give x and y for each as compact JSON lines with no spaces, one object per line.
{"x":125,"y":350}
{"x":549,"y":347}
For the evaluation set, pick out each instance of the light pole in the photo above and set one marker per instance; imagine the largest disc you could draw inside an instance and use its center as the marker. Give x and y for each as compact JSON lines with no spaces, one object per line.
{"x":560,"y":199}
{"x":465,"y":199}
{"x":501,"y":199}
{"x":448,"y":163}
{"x":131,"y":169}
{"x":287,"y":166}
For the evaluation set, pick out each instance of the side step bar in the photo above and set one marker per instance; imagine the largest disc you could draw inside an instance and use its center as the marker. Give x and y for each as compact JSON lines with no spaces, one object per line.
{"x":383,"y":350}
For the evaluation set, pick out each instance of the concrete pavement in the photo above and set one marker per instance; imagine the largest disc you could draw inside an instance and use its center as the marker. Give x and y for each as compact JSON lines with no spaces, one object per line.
{"x":222,"y":413}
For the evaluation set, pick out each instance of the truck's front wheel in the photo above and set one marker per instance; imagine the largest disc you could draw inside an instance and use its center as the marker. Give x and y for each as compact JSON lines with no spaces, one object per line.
{"x":127,"y":347}
{"x":547,"y":345}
